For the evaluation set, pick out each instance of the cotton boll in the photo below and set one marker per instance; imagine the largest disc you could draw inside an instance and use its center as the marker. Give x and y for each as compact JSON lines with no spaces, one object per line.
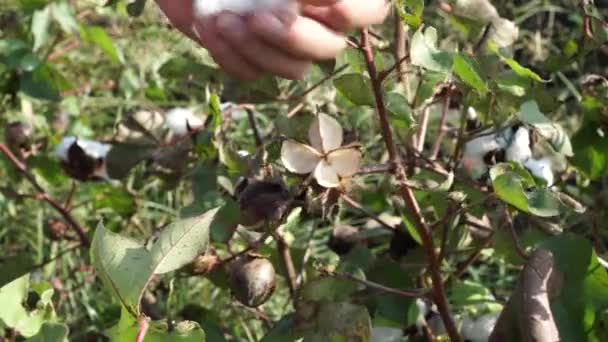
{"x":479,"y":10}
{"x":540,"y":168}
{"x":475,"y":151}
{"x":93,"y":149}
{"x":480,"y":329}
{"x":181,"y":120}
{"x":519,"y":148}
{"x":62,"y":149}
{"x":204,"y":8}
{"x":504,"y":32}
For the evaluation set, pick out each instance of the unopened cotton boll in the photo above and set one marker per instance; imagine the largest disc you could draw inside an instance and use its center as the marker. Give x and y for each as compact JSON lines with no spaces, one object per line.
{"x":519,"y":148}
{"x":204,"y":8}
{"x":540,"y":168}
{"x":181,"y":120}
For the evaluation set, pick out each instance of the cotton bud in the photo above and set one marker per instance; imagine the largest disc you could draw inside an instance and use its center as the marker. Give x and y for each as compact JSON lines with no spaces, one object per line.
{"x":182,"y":121}
{"x":204,"y":8}
{"x":83,"y":159}
{"x":252,"y":279}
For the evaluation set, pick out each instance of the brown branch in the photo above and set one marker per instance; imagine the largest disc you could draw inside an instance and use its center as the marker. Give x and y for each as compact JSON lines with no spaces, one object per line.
{"x":366,"y":211}
{"x":439,"y":295}
{"x":259,"y":143}
{"x":380,"y":287}
{"x":442,"y":121}
{"x":290,"y":269}
{"x":44,"y":196}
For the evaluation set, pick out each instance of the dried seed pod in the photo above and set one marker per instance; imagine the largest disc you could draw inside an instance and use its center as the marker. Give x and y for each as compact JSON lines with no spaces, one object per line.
{"x":343,"y":238}
{"x":18,"y":135}
{"x":55,"y":229}
{"x":261,"y":201}
{"x":252,"y":279}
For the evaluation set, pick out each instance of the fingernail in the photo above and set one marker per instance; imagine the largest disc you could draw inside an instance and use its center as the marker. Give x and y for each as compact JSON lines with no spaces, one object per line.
{"x":230,"y":25}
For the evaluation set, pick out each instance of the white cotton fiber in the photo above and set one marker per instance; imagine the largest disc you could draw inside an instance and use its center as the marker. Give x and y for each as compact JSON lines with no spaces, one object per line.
{"x":179,"y":119}
{"x":519,"y":148}
{"x":204,"y":8}
{"x":540,"y":168}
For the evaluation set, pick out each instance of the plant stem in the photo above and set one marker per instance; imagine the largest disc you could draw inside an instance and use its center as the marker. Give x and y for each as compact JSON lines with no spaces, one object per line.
{"x":439,"y":296}
{"x":441,"y":129}
{"x":44,"y":196}
{"x":380,"y":287}
{"x":290,"y":269}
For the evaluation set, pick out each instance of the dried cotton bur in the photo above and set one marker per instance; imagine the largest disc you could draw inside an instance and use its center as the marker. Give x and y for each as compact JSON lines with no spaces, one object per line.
{"x":330,"y":163}
{"x":205,"y":8}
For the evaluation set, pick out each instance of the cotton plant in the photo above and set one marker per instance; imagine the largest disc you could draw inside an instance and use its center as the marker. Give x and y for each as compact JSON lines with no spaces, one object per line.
{"x":330,"y":163}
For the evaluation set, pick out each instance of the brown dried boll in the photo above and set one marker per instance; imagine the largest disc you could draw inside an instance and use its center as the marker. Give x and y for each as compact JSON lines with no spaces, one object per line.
{"x":18,"y":135}
{"x":261,"y":201}
{"x":343,"y":238}
{"x":55,"y":229}
{"x":252,"y":279}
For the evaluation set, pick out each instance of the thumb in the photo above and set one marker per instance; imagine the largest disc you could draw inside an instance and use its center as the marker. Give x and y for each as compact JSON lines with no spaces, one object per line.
{"x":318,"y":2}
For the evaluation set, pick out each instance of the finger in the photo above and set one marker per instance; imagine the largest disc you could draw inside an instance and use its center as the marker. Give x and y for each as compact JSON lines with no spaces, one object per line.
{"x":233,"y":28}
{"x":318,"y":2}
{"x":303,"y":37}
{"x":223,"y":54}
{"x":180,"y":19}
{"x":347,"y":14}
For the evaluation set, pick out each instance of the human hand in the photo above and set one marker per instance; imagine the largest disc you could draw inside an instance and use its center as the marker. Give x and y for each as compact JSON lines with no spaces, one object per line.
{"x":282,"y":41}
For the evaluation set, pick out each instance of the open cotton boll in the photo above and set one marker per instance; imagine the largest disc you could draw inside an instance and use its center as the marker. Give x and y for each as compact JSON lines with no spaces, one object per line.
{"x":504,"y":32}
{"x":475,"y":151}
{"x":92,"y":148}
{"x":480,"y":329}
{"x":479,"y":10}
{"x":540,"y":168}
{"x":204,"y":8}
{"x":181,"y":120}
{"x":519,"y":148}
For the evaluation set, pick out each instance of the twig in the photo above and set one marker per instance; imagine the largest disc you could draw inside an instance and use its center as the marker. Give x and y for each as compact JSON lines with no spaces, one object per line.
{"x":259,"y":143}
{"x":473,"y":257}
{"x":380,"y":287}
{"x":441,"y":130}
{"x":43,"y":195}
{"x":439,"y":296}
{"x":313,"y":87}
{"x":366,"y":211}
{"x":290,"y":270}
{"x":373,"y":169}
{"x":424,"y":122}
{"x":251,"y":247}
{"x":518,"y":248}
{"x":144,"y":325}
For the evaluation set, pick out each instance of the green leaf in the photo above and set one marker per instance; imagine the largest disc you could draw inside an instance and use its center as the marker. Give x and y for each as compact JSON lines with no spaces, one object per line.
{"x":64,"y":16}
{"x":181,"y":242}
{"x":591,"y":146}
{"x":159,"y":331}
{"x":41,"y":21}
{"x":582,"y":292}
{"x":466,"y":70}
{"x":515,"y":66}
{"x":123,"y":157}
{"x":341,"y":321}
{"x":40,"y":84}
{"x":399,"y":109}
{"x":544,"y":203}
{"x":15,"y":316}
{"x":51,"y":332}
{"x":356,"y":88}
{"x":16,"y":266}
{"x":425,"y":53}
{"x":530,"y":113}
{"x":99,"y":37}
{"x":410,"y":12}
{"x":123,"y":265}
{"x":225,"y":222}
{"x":508,"y":187}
